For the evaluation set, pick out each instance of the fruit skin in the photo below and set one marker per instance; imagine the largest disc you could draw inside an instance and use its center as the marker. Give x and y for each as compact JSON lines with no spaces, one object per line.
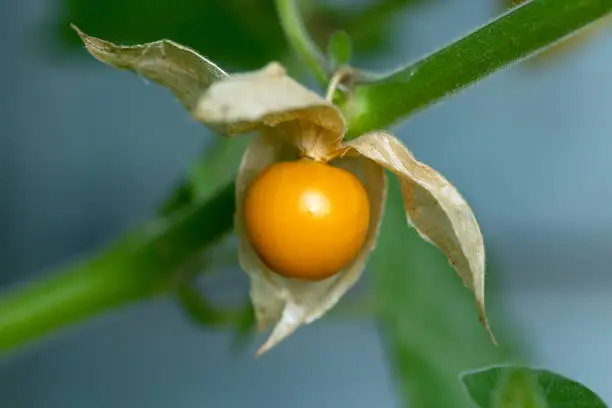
{"x":306,"y":220}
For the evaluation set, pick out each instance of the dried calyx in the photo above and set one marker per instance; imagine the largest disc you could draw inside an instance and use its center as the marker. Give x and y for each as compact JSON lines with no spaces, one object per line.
{"x":294,"y":122}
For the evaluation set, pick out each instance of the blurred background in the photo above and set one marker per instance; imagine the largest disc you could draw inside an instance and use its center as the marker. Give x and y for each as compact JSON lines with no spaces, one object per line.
{"x":88,"y":152}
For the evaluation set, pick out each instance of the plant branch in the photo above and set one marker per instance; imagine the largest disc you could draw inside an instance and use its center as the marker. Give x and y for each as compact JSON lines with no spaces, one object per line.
{"x":298,"y":37}
{"x":144,"y":264}
{"x":508,"y":39}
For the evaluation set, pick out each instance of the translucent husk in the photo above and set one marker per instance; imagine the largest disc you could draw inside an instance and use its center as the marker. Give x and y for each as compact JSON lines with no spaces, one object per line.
{"x":268,"y":98}
{"x":296,"y":122}
{"x":434,"y":208}
{"x":289,"y":302}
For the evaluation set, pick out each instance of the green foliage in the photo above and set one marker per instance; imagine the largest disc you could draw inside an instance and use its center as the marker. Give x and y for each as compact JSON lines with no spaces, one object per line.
{"x":339,"y":49}
{"x":236,"y":34}
{"x":201,"y":311}
{"x":231,"y":32}
{"x":428,"y":318}
{"x":427,"y":315}
{"x":524,"y":387}
{"x":215,"y":168}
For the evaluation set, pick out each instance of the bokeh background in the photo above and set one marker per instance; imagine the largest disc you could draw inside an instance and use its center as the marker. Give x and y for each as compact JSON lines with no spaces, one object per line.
{"x":88,"y":152}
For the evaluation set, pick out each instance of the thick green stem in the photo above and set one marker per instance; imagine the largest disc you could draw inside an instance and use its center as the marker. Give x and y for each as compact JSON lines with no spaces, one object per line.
{"x":300,"y":41}
{"x":141,"y":265}
{"x":511,"y":37}
{"x":145,"y":263}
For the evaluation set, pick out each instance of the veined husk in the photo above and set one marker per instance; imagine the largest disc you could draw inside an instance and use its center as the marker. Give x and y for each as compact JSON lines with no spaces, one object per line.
{"x":289,"y":302}
{"x":293,"y":122}
{"x":304,"y":120}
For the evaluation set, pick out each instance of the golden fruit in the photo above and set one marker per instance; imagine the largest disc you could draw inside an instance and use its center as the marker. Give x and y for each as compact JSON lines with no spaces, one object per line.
{"x":306,"y":220}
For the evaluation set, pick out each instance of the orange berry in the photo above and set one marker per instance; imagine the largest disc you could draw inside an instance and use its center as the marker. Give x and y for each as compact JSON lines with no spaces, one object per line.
{"x":306,"y":220}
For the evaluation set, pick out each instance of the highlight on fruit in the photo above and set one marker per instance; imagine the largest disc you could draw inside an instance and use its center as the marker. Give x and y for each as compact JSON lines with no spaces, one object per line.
{"x":305,"y":219}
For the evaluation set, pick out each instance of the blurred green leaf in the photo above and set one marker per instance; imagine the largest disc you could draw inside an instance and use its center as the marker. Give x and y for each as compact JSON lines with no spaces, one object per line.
{"x":237,"y":34}
{"x":245,"y":327}
{"x":519,"y":390}
{"x":523,"y":387}
{"x":339,"y":49}
{"x":216,"y":167}
{"x":182,"y":196}
{"x":428,"y":317}
{"x":195,"y":305}
{"x":369,"y":26}
{"x":200,"y":310}
{"x":234,"y":33}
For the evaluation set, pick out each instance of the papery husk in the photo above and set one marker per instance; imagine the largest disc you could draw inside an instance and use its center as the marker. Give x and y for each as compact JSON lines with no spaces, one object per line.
{"x":269,"y":98}
{"x":296,"y":122}
{"x":434,"y":208}
{"x":290,"y":303}
{"x":182,"y":70}
{"x":242,"y":103}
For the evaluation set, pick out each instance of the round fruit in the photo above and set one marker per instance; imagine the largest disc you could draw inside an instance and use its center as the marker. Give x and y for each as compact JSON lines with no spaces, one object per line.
{"x":306,"y":220}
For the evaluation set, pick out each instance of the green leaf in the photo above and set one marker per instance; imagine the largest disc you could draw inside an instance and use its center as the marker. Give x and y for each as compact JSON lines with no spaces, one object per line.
{"x":524,"y":387}
{"x":370,"y":26}
{"x":519,"y":390}
{"x":428,"y":317}
{"x":339,"y":49}
{"x":245,"y":327}
{"x":235,"y":33}
{"x":181,"y":197}
{"x":239,"y":34}
{"x":216,"y":167}
{"x":199,"y":309}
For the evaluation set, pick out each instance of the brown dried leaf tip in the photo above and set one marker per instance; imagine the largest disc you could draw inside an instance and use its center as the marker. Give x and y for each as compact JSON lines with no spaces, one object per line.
{"x":309,"y":205}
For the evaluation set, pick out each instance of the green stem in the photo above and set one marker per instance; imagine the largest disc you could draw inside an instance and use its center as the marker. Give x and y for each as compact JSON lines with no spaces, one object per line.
{"x":511,"y":37}
{"x":298,"y":37}
{"x":146,"y":263}
{"x":143,"y":264}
